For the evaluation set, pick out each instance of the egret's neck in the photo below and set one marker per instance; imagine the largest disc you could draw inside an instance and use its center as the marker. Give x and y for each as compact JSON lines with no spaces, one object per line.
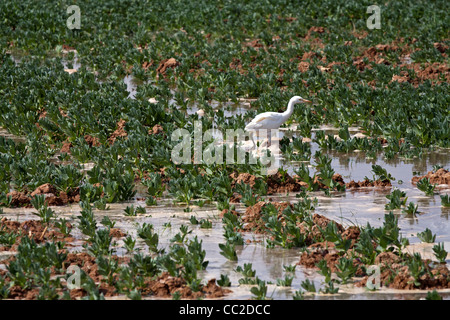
{"x":290,"y":110}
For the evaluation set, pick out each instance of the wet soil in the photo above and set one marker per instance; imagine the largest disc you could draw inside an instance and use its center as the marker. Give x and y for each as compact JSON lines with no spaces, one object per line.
{"x":33,"y":229}
{"x":165,"y":64}
{"x":438,"y":177}
{"x":52,"y":196}
{"x":164,"y":286}
{"x":284,"y":183}
{"x":368,"y":183}
{"x":119,"y":132}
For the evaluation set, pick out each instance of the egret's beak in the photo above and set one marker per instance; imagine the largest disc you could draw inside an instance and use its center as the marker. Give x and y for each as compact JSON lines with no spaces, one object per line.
{"x":307,"y":101}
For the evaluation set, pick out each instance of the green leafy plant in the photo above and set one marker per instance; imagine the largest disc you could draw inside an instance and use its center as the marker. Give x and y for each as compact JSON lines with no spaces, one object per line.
{"x":228,"y":251}
{"x":247,"y":271}
{"x":309,"y":286}
{"x":411,"y":209}
{"x":45,"y":213}
{"x":286,"y":282}
{"x":445,"y":200}
{"x":298,"y":295}
{"x":346,"y":269}
{"x":381,"y":173}
{"x":397,"y":200}
{"x":101,"y":204}
{"x":146,"y":233}
{"x":433,"y":295}
{"x":130,"y":243}
{"x":64,"y":226}
{"x":131,"y":211}
{"x":7,"y":239}
{"x":416,"y":268}
{"x":425,"y":186}
{"x":224,"y":281}
{"x":260,"y":291}
{"x":330,"y":288}
{"x":439,"y":252}
{"x":427,"y":236}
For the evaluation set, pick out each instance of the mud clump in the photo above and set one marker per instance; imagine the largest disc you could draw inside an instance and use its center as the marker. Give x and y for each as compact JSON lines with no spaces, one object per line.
{"x":276,"y":183}
{"x":33,"y":229}
{"x":368,"y":183}
{"x":441,"y":176}
{"x":156,"y":129}
{"x":396,"y":275}
{"x":18,"y":199}
{"x":117,"y":233}
{"x":311,"y":258}
{"x":166,"y":285}
{"x":18,"y":293}
{"x":92,"y":141}
{"x":119,"y":132}
{"x":44,"y":189}
{"x":279,"y":183}
{"x":245,"y":178}
{"x":166,"y":64}
{"x":66,"y":147}
{"x":252,"y":217}
{"x":52,"y":196}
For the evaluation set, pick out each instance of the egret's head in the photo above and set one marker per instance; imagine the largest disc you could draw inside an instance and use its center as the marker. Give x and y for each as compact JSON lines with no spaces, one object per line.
{"x":298,"y":99}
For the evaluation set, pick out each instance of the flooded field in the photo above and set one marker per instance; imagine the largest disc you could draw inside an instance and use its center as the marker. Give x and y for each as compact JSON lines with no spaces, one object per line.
{"x":353,"y":207}
{"x":118,"y":180}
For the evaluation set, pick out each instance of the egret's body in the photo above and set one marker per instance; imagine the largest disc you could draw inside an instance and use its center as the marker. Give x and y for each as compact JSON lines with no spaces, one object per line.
{"x":273,"y":120}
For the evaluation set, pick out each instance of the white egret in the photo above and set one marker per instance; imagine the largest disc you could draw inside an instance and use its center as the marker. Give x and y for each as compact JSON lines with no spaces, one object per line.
{"x":273,"y":120}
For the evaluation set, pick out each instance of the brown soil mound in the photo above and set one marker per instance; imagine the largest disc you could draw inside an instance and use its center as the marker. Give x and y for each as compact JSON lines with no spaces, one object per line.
{"x":117,"y":233}
{"x":311,"y":258}
{"x":34,"y":229}
{"x":18,"y":293}
{"x":252,"y":217}
{"x":156,"y":129}
{"x":166,"y":285}
{"x":18,"y":198}
{"x":119,"y":132}
{"x":397,"y":276}
{"x":166,"y":64}
{"x":44,"y":189}
{"x":86,"y":262}
{"x":441,"y":176}
{"x":368,"y":183}
{"x":52,"y":198}
{"x":246,"y":178}
{"x":278,"y":183}
{"x":253,"y":222}
{"x":66,"y":147}
{"x":92,"y":141}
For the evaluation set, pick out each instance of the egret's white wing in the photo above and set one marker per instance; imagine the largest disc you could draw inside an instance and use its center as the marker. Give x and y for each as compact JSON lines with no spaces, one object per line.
{"x":266,"y":120}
